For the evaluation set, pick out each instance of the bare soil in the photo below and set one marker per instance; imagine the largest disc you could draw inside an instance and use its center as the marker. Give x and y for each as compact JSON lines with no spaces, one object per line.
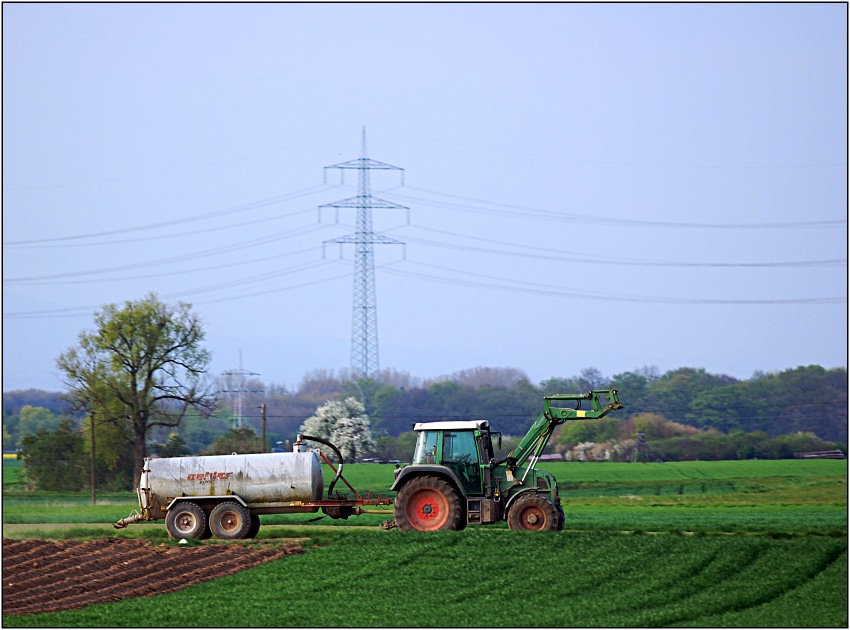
{"x":45,"y":576}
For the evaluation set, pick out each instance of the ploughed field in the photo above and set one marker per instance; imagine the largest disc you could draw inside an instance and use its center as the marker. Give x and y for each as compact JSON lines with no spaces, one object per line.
{"x":47,"y":576}
{"x":706,"y":544}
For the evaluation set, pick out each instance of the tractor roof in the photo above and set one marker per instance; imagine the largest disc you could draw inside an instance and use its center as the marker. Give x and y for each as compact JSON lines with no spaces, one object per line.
{"x":455,"y":425}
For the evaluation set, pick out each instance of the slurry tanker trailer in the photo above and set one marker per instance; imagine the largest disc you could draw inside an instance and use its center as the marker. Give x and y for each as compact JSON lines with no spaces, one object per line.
{"x":224,"y":495}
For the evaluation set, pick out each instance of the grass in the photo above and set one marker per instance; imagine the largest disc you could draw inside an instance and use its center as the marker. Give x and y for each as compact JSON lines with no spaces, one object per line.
{"x":774,"y":497}
{"x":497,"y":578}
{"x":705,"y":544}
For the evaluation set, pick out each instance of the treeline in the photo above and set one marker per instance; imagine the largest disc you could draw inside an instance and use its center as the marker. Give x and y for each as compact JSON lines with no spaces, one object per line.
{"x":648,"y":437}
{"x":808,"y":399}
{"x":804,"y":399}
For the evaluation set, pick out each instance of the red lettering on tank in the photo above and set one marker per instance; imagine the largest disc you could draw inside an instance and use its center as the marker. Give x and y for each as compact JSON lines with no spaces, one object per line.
{"x":209,"y":476}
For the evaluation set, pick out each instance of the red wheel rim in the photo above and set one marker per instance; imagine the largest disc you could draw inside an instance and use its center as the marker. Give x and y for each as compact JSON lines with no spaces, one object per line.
{"x":427,"y":510}
{"x":532,"y":517}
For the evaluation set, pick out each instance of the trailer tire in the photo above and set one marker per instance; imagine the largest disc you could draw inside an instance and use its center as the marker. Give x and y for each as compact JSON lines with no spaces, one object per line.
{"x":230,"y":521}
{"x":533,"y":512}
{"x":255,"y":527}
{"x":427,"y":504}
{"x":186,"y":520}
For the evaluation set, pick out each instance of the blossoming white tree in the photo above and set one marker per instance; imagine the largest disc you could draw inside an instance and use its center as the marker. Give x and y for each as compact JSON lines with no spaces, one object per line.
{"x":345,"y":424}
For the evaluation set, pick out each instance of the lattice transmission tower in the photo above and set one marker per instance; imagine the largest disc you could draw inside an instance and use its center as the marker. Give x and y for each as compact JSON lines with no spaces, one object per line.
{"x":235,"y":386}
{"x":364,"y":323}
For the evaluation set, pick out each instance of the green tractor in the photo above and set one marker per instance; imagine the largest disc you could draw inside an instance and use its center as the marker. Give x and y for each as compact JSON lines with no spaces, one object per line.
{"x":455,"y":480}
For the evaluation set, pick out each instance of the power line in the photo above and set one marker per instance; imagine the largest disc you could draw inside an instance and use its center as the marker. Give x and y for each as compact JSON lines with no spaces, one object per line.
{"x":193,"y":232}
{"x":199,"y":217}
{"x":182,"y":258}
{"x":600,"y":260}
{"x":526,"y":414}
{"x":549,"y":290}
{"x":512,"y":210}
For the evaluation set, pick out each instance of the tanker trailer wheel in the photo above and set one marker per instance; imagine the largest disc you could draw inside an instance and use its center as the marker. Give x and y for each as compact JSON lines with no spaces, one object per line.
{"x":255,"y":527}
{"x":533,"y":512}
{"x":230,"y":521}
{"x":186,"y":520}
{"x":427,"y":504}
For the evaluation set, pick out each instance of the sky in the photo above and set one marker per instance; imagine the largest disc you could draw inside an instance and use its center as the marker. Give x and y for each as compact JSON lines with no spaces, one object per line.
{"x":612,"y":186}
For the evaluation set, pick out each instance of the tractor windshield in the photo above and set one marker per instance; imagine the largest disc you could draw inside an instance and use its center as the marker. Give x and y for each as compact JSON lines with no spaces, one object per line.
{"x":426,"y":447}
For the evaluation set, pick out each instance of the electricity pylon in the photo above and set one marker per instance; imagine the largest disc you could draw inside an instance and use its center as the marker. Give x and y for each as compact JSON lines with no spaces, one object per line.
{"x":236,"y":387}
{"x":364,"y":323}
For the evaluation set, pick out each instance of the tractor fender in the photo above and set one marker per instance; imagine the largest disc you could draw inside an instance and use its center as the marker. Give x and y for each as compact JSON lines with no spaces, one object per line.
{"x":409,"y":472}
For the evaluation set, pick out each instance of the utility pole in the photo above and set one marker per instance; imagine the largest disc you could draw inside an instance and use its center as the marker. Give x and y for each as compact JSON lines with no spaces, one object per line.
{"x":364,"y":324}
{"x":93,"y":491}
{"x":263,"y":413}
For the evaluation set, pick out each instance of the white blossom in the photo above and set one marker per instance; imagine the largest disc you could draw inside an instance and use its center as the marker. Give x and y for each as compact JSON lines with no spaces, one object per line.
{"x":345,"y":424}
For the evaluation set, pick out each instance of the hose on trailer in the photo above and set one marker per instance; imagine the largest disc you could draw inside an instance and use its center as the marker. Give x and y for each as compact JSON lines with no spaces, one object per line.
{"x":338,"y":456}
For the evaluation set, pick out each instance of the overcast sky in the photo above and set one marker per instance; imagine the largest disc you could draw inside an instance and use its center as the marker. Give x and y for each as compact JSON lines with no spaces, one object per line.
{"x":610,"y":186}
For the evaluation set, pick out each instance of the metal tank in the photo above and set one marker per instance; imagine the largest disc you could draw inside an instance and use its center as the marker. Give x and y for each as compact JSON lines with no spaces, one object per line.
{"x":262,"y":480}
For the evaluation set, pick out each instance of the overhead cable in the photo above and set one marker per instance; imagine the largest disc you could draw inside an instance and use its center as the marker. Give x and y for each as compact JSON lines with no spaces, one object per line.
{"x":491,"y":282}
{"x":492,"y":207}
{"x":600,"y":260}
{"x":198,"y":217}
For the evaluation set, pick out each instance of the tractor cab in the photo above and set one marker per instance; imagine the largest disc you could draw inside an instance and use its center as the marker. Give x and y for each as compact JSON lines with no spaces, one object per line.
{"x":461,"y":446}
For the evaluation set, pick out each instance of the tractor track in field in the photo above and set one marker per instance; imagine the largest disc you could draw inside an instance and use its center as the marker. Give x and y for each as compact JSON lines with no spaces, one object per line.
{"x":47,"y":576}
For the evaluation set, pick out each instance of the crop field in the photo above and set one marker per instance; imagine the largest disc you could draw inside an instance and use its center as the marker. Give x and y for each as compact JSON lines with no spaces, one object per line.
{"x":702,"y":544}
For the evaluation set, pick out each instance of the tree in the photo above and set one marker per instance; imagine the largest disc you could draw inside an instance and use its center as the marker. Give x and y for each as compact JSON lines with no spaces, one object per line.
{"x":174,"y":447}
{"x":143,"y":366}
{"x":31,"y":419}
{"x":345,"y":424}
{"x":54,"y":461}
{"x":243,"y":440}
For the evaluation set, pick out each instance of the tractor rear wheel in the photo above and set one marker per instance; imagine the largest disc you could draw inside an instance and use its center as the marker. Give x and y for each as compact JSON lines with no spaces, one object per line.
{"x":534,"y":512}
{"x":427,"y":504}
{"x":230,"y":521}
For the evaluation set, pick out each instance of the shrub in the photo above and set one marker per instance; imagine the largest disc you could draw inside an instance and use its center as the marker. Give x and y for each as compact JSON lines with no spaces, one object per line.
{"x":54,"y":461}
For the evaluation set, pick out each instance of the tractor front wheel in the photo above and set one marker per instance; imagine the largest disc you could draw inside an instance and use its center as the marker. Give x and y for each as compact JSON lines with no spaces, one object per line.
{"x":534,"y":512}
{"x":428,"y":504}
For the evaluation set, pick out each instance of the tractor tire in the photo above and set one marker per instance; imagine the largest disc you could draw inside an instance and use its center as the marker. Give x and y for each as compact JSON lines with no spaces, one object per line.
{"x":428,"y":504}
{"x":534,"y":512}
{"x":230,"y":521}
{"x":186,"y":520}
{"x":562,"y":518}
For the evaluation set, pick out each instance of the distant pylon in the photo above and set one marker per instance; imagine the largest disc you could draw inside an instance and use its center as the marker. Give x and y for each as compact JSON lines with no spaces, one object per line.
{"x":236,"y":388}
{"x":364,"y":323}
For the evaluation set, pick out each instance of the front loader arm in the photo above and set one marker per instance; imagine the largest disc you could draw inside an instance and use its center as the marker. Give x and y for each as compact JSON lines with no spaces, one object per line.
{"x":541,"y":431}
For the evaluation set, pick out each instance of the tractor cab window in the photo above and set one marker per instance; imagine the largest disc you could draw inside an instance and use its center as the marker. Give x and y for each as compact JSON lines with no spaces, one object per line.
{"x":461,"y":455}
{"x":426,"y":448}
{"x":459,"y":447}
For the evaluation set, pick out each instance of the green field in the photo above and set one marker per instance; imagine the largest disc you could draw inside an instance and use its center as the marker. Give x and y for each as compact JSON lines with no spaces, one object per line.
{"x":706,"y":544}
